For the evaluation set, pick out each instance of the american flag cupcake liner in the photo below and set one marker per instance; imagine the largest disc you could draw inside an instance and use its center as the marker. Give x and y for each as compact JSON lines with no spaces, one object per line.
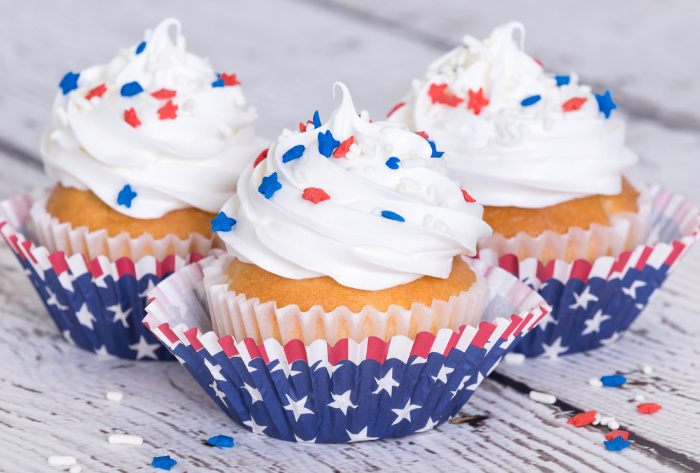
{"x":97,"y":304}
{"x":349,"y":391}
{"x":594,"y":304}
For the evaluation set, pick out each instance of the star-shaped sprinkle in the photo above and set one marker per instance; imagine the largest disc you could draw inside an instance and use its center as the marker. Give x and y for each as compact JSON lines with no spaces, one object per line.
{"x":298,"y":408}
{"x":532,"y":100}
{"x":229,"y":79}
{"x":342,"y":401}
{"x":126,"y":195}
{"x":573,"y":104}
{"x":593,"y":324}
{"x":163,"y":94}
{"x":327,"y":144}
{"x":393,"y":162}
{"x":396,"y":107}
{"x":269,"y":185}
{"x":617,"y":433}
{"x":562,"y":80}
{"x":344,"y":147}
{"x":302,"y":127}
{"x":315,"y":195}
{"x":605,"y":103}
{"x":467,"y":197}
{"x":168,"y":111}
{"x":164,"y":463}
{"x":140,"y":47}
{"x":617,"y":443}
{"x":261,"y":156}
{"x":440,"y":94}
{"x":422,"y":134}
{"x":648,"y":407}
{"x":405,"y":412}
{"x":317,"y":119}
{"x":295,"y":152}
{"x":477,"y":101}
{"x":434,"y":152}
{"x":392,"y":216}
{"x":387,"y":383}
{"x":222,"y":223}
{"x":131,"y":118}
{"x":130,"y":89}
{"x":221,"y":441}
{"x":96,"y":92}
{"x":613,"y":381}
{"x":69,"y":82}
{"x":584,"y":418}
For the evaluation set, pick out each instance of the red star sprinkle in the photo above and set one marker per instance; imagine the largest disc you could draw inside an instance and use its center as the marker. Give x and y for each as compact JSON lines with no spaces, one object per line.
{"x":131,"y":118}
{"x":163,"y":94}
{"x":539,"y":62}
{"x":168,"y":111}
{"x":396,"y":107}
{"x":582,"y":419}
{"x":302,"y":127}
{"x":315,"y":195}
{"x":477,"y":101}
{"x":260,"y":157}
{"x":229,"y":79}
{"x":648,"y":407}
{"x":617,"y":433}
{"x":467,"y":197}
{"x":439,"y":94}
{"x":343,"y":148}
{"x":97,"y":91}
{"x":422,"y":134}
{"x":573,"y":104}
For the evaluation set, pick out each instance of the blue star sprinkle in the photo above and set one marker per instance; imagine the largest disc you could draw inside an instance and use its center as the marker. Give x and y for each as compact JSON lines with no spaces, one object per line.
{"x":435,"y":153}
{"x":562,"y":80}
{"x":126,"y":195}
{"x":618,"y":443}
{"x":393,"y":163}
{"x":141,"y":47}
{"x":164,"y":463}
{"x":326,"y":143}
{"x":605,"y":103}
{"x":392,"y":216}
{"x":222,"y":223}
{"x":614,"y":380}
{"x":317,"y":120}
{"x":131,"y":89}
{"x":218,"y":82}
{"x":293,"y":153}
{"x":269,"y":185}
{"x":221,"y":441}
{"x":530,"y":100}
{"x":69,"y":82}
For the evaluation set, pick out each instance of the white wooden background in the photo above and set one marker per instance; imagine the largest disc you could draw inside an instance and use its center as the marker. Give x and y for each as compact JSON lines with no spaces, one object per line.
{"x":288,"y":54}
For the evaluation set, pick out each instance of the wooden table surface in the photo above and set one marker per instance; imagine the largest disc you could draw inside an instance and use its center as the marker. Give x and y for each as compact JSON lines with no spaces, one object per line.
{"x":288,"y":54}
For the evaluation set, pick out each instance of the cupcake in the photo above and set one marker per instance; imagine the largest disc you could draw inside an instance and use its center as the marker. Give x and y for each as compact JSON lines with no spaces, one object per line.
{"x":541,"y":152}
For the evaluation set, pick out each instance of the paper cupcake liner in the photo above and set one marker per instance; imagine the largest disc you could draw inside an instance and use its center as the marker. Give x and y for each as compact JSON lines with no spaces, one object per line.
{"x":56,"y":236}
{"x":348,"y":391}
{"x":626,"y":231}
{"x":234,"y":314}
{"x":593,"y":304}
{"x":97,"y":304}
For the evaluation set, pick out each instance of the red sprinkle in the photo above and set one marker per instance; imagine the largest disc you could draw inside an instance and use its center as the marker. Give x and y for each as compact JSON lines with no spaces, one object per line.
{"x":260,"y":157}
{"x":573,"y":104}
{"x":617,"y":433}
{"x":168,"y":111}
{"x":343,"y":148}
{"x":131,"y":118}
{"x":315,"y":195}
{"x":163,"y":94}
{"x":477,"y":101}
{"x":582,"y":419}
{"x":229,"y":79}
{"x":539,"y":62}
{"x":302,"y":127}
{"x":439,"y":94}
{"x":97,"y":91}
{"x":396,"y":107}
{"x":648,"y":407}
{"x":467,"y":197}
{"x":422,"y":134}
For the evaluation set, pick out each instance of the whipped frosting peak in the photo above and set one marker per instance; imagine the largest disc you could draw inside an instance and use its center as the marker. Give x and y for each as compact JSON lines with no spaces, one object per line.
{"x":366,"y":203}
{"x":157,"y":119}
{"x":517,"y":135}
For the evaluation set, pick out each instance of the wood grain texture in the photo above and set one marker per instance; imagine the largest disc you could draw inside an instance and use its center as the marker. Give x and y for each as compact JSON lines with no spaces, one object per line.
{"x":288,"y":54}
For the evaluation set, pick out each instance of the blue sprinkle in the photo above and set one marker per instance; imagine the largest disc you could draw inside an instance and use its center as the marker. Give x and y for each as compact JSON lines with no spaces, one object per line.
{"x":393,"y":163}
{"x":164,"y":463}
{"x":269,"y":185}
{"x":141,"y":47}
{"x":614,"y":380}
{"x":69,"y":82}
{"x":126,"y":195}
{"x":562,"y":80}
{"x":618,"y":443}
{"x":222,"y":223}
{"x":317,"y":120}
{"x":530,"y":100}
{"x":293,"y":153}
{"x":392,"y":216}
{"x":605,"y":103}
{"x":435,"y":153}
{"x":131,"y":89}
{"x":326,"y":143}
{"x":221,"y":441}
{"x":218,"y":83}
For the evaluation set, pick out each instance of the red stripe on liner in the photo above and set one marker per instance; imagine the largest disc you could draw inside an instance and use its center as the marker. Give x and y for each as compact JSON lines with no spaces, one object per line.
{"x":338,"y":352}
{"x":14,"y":244}
{"x":482,"y":336}
{"x":58,"y":262}
{"x":191,"y":335}
{"x":167,"y":331}
{"x":252,"y":348}
{"x":27,"y":245}
{"x":548,"y":270}
{"x":642,"y":261}
{"x":515,"y":322}
{"x":165,"y":266}
{"x":94,"y":268}
{"x":195,"y":257}
{"x":422,"y":345}
{"x":523,"y":324}
{"x":509,"y":263}
{"x":678,"y":248}
{"x":377,"y":349}
{"x":454,"y":338}
{"x":125,"y":266}
{"x":229,"y":346}
{"x":581,"y":269}
{"x":295,"y":350}
{"x":620,"y":263}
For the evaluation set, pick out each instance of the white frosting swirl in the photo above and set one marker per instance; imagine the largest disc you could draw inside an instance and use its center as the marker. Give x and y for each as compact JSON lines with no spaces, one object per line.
{"x":346,"y":237}
{"x":193,"y":160}
{"x":509,"y":154}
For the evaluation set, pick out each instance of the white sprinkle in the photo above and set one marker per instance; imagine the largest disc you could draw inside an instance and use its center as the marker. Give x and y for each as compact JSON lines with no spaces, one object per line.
{"x":515,"y":358}
{"x":639,"y":398}
{"x":62,"y":116}
{"x":95,"y":100}
{"x":410,"y":183}
{"x":646,"y":368}
{"x":597,"y":419}
{"x":227,"y":130}
{"x":427,"y":220}
{"x":287,"y":132}
{"x":76,"y":469}
{"x":613,"y":425}
{"x":57,"y":460}
{"x":606,"y":420}
{"x":114,"y":396}
{"x":403,"y":156}
{"x":56,"y":135}
{"x":595,"y":382}
{"x":414,"y":163}
{"x":364,"y":114}
{"x":543,"y":397}
{"x":441,"y":226}
{"x":124,"y":439}
{"x":310,"y":126}
{"x":432,"y":192}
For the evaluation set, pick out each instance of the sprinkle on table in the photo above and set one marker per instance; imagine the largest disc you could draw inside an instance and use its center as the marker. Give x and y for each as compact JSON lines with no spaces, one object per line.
{"x":261,"y":156}
{"x":163,"y":463}
{"x":269,"y":185}
{"x":168,"y":111}
{"x":69,"y":82}
{"x":343,"y":148}
{"x":583,"y":418}
{"x":532,"y":100}
{"x":617,"y":433}
{"x":126,"y":195}
{"x":396,"y":107}
{"x":573,"y":104}
{"x":295,"y":152}
{"x":617,"y":444}
{"x":562,"y":80}
{"x":221,"y":441}
{"x":163,"y":94}
{"x":96,"y":92}
{"x":648,"y":407}
{"x":605,"y":103}
{"x":393,"y":162}
{"x":613,"y":381}
{"x":327,"y":144}
{"x":131,"y":118}
{"x":130,"y":89}
{"x":467,"y":197}
{"x":435,"y":153}
{"x":222,"y":223}
{"x":315,"y":195}
{"x":317,"y":120}
{"x":392,"y":216}
{"x":477,"y":101}
{"x":440,"y":94}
